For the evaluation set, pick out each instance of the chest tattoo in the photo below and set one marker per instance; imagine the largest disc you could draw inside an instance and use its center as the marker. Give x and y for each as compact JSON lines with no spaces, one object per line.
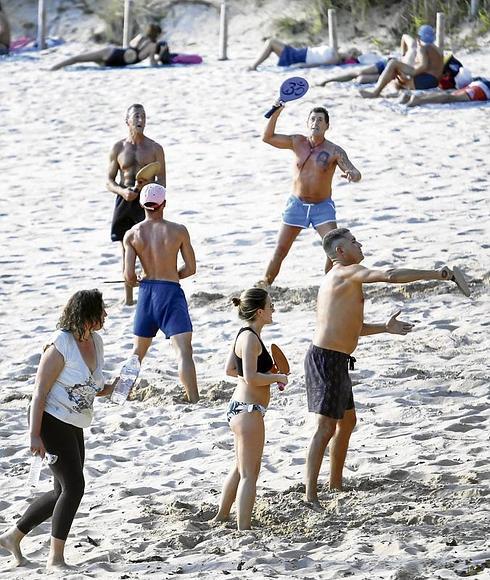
{"x":322,"y":159}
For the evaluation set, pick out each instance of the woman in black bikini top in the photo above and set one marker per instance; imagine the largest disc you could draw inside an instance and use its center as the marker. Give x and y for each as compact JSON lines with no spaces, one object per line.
{"x":141,"y":46}
{"x":250,"y":362}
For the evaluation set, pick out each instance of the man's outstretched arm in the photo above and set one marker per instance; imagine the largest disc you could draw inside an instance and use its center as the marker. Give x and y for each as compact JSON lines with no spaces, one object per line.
{"x":276,"y":139}
{"x":392,"y":326}
{"x":398,"y":275}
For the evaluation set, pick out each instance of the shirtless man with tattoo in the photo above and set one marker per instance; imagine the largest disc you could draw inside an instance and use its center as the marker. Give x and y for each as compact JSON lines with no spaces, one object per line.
{"x":311,"y":202}
{"x":127,"y":157}
{"x":339,"y":324}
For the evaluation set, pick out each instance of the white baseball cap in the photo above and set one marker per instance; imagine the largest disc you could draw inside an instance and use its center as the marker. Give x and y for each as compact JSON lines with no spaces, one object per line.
{"x":152,"y":194}
{"x":463,"y":78}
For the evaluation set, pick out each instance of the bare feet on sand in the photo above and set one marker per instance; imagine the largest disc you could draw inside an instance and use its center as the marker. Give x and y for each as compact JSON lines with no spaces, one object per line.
{"x":367,"y":94}
{"x":10,"y":541}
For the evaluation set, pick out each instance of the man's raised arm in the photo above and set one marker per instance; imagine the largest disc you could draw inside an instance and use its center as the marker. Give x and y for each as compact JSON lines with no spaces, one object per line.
{"x":276,"y":139}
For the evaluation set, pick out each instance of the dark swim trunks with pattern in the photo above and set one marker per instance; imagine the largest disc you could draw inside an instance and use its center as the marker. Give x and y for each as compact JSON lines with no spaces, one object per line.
{"x":328,"y":385}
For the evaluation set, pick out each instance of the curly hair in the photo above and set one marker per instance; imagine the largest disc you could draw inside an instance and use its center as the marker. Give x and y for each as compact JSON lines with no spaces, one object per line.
{"x":249,"y":302}
{"x":84,"y":307}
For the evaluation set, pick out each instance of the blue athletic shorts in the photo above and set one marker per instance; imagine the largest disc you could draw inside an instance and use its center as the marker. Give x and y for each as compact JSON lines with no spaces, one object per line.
{"x":381,"y":65}
{"x":425,"y":81}
{"x":301,"y":215}
{"x":161,"y":305}
{"x":291,"y":55}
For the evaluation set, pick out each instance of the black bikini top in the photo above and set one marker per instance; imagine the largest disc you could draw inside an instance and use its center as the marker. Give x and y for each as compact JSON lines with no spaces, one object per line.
{"x":264,"y":360}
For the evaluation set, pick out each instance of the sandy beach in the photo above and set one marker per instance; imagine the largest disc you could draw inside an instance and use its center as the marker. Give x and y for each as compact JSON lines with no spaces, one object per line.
{"x":417,"y":472}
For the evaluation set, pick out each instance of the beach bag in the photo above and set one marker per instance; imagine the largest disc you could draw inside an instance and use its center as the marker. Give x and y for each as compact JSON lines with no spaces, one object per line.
{"x":449,"y":73}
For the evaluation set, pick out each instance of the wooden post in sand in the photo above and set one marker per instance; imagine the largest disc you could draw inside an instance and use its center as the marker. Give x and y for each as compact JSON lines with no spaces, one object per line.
{"x":440,"y":30}
{"x":41,"y":25}
{"x":474,"y":8}
{"x":126,"y":24}
{"x":223,"y":32}
{"x":332,"y":30}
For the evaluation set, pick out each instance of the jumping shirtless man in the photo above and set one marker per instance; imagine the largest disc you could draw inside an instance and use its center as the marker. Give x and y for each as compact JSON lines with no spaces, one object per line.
{"x":339,"y":324}
{"x":311,"y":201}
{"x":157,"y":243}
{"x":127,"y":157}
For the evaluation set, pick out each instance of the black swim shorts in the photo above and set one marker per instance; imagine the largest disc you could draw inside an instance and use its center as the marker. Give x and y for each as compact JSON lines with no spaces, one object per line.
{"x":328,"y":385}
{"x":126,"y":215}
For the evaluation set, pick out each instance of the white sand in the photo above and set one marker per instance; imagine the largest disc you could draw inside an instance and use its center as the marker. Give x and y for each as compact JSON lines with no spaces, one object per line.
{"x":417,"y":471}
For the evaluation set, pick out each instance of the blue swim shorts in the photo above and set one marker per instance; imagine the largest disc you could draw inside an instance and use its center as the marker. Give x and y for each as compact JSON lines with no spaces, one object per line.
{"x":291,"y":55}
{"x":425,"y":81}
{"x":301,"y":215}
{"x":381,"y":65}
{"x":161,"y":305}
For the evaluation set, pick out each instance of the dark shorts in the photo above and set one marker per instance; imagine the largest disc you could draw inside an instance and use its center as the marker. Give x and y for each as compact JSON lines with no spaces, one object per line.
{"x":4,"y":50}
{"x":116,"y":58}
{"x":161,"y":305}
{"x":291,"y":55}
{"x":328,"y":385}
{"x":425,"y":81}
{"x":126,"y":215}
{"x":381,"y":65}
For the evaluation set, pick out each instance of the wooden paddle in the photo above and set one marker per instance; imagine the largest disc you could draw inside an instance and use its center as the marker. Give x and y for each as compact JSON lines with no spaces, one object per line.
{"x":148,"y":172}
{"x":281,"y":363}
{"x":291,"y":89}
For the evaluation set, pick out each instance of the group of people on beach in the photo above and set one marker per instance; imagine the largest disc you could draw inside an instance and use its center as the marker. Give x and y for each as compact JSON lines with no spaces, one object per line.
{"x":70,"y":375}
{"x":421,"y":66}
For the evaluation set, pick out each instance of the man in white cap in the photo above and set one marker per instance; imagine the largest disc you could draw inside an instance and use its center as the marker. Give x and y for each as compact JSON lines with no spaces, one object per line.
{"x":157,"y":243}
{"x":423,"y":74}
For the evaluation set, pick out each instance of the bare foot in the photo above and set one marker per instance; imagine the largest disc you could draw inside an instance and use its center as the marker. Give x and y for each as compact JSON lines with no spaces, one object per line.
{"x":218,"y":518}
{"x":10,"y":541}
{"x":367,"y":94}
{"x":413,"y":101}
{"x":314,"y":504}
{"x":54,"y":564}
{"x":405,"y":97}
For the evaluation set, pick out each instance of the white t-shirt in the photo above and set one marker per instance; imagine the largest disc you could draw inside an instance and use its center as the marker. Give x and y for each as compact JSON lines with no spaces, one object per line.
{"x":319,"y":54}
{"x":72,"y":395}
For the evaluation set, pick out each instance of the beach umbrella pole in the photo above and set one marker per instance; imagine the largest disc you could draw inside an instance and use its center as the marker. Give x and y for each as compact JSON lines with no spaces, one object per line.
{"x":332,"y":29}
{"x":474,"y":8}
{"x":223,"y":32}
{"x":440,"y":30}
{"x":41,"y":24}
{"x":126,"y":24}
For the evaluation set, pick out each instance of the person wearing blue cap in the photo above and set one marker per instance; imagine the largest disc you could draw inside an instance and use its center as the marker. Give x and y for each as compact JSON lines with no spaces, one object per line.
{"x":423,"y":74}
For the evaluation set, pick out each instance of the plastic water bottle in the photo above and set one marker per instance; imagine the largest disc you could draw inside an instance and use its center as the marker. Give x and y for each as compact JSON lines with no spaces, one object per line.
{"x":127,"y":377}
{"x":37,"y":463}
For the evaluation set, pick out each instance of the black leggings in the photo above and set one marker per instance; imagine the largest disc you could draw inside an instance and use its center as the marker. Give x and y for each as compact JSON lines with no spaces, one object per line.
{"x":65,"y":441}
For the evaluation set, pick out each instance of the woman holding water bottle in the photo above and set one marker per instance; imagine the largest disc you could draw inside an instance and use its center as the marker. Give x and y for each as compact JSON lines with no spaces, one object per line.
{"x":252,"y":364}
{"x":68,"y":379}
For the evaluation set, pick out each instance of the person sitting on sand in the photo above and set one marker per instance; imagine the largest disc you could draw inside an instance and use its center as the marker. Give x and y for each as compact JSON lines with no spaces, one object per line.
{"x":250,"y":362}
{"x":476,"y":90}
{"x":371,"y":72}
{"x":141,"y":47}
{"x":310,"y":56}
{"x":424,"y":73}
{"x":68,"y":379}
{"x":339,"y":324}
{"x":4,"y":33}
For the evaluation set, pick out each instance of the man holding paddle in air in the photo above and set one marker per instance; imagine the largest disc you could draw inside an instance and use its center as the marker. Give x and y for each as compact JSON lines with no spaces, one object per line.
{"x":339,"y":324}
{"x":139,"y":160}
{"x":311,"y":201}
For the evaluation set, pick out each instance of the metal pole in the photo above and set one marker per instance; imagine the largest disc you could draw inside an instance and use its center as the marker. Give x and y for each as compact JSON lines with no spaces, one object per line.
{"x":41,"y":25}
{"x":332,"y":29}
{"x":223,"y":32}
{"x":474,"y":8}
{"x":126,"y":25}
{"x":440,"y":30}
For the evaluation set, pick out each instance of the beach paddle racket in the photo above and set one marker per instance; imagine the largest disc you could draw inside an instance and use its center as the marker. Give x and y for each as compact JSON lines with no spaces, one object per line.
{"x":148,"y":171}
{"x":281,"y":362}
{"x":291,"y":89}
